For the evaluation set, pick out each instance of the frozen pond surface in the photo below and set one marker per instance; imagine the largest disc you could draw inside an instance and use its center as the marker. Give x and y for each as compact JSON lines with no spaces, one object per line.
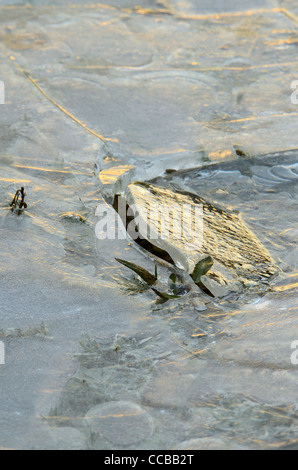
{"x":97,"y":96}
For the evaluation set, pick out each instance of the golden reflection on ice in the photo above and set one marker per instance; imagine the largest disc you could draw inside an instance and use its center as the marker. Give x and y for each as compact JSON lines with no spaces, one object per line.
{"x":286,"y":287}
{"x":112,"y":174}
{"x":14,"y":181}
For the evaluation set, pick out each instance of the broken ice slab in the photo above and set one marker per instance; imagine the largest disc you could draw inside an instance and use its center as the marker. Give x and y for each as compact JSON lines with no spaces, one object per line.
{"x":188,"y":227}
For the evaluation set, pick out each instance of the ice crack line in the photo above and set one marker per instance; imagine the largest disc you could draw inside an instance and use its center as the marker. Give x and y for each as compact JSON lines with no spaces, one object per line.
{"x":57,"y":105}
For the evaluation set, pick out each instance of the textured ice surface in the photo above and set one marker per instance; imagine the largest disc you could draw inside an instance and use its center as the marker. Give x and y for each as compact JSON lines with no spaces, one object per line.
{"x":162,"y":85}
{"x":189,"y":227}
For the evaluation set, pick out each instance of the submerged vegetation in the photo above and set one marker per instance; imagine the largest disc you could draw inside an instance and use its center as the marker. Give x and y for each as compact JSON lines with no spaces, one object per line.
{"x":176,"y":290}
{"x":149,"y":278}
{"x":39,"y":331}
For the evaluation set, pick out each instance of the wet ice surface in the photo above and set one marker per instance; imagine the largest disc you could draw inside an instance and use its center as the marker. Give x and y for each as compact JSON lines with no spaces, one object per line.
{"x":166,"y":85}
